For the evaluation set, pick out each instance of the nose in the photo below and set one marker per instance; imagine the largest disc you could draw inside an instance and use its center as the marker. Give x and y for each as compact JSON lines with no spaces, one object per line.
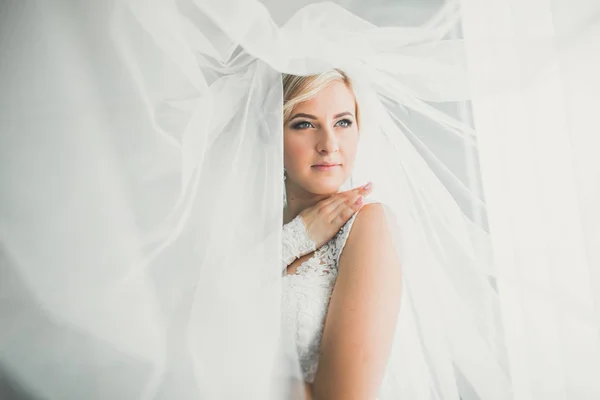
{"x":328,"y":142}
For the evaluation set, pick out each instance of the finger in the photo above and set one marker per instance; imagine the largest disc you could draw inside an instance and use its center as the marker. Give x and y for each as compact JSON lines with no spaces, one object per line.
{"x":350,"y":196}
{"x":326,"y":207}
{"x":341,"y":204}
{"x":345,"y":210}
{"x":367,"y":188}
{"x":334,"y":199}
{"x":327,"y":201}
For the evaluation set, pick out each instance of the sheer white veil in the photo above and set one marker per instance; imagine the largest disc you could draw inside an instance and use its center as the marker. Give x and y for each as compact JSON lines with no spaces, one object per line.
{"x":141,"y":208}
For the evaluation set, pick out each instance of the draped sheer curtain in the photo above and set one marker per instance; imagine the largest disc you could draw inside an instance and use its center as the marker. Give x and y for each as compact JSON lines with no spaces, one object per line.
{"x":538,"y":139}
{"x":69,"y":101}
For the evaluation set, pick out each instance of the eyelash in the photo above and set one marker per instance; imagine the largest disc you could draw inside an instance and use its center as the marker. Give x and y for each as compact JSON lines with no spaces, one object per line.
{"x":299,"y":124}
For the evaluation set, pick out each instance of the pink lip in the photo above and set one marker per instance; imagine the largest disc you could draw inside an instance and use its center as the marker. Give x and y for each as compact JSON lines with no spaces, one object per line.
{"x":324,"y":167}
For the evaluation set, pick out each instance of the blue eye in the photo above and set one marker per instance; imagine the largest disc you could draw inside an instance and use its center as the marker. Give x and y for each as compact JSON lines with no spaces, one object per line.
{"x":302,"y":125}
{"x":344,"y":123}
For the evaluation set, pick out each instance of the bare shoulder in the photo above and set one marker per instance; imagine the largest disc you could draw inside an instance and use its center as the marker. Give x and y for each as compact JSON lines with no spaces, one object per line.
{"x":370,"y":232}
{"x":371,"y":217}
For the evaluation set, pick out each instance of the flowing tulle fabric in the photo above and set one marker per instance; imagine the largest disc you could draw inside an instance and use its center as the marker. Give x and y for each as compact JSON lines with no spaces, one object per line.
{"x":141,"y":205}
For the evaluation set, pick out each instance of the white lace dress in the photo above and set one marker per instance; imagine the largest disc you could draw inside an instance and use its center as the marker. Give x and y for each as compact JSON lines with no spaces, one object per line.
{"x":306,"y":295}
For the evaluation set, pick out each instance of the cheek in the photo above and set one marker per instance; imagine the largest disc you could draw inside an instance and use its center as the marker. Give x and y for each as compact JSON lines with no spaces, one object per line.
{"x":295,"y":152}
{"x":350,"y":147}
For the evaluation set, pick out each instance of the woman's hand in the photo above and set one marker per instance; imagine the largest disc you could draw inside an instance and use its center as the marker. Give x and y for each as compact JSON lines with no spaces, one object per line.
{"x":324,"y":219}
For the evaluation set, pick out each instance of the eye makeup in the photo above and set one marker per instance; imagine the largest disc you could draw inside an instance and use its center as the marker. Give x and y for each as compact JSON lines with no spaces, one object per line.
{"x":300,"y":125}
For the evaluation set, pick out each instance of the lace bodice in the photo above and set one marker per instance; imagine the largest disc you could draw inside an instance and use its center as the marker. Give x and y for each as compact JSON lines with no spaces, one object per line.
{"x":306,"y":295}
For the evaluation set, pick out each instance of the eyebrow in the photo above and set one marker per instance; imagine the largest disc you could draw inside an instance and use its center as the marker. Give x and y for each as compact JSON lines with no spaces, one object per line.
{"x":313,"y":117}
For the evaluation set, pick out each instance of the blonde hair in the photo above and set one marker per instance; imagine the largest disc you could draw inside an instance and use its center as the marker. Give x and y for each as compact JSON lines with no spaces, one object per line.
{"x":298,"y":89}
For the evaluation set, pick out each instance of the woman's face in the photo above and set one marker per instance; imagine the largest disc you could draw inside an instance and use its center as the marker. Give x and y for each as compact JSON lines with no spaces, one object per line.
{"x":320,"y":131}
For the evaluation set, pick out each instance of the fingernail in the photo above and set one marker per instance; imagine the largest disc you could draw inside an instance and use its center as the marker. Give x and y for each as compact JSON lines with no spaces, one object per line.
{"x":368,"y":186}
{"x":360,"y":199}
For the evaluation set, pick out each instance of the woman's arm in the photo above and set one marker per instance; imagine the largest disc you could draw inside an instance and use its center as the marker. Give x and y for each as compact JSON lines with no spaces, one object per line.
{"x":362,"y":315}
{"x":308,"y":391}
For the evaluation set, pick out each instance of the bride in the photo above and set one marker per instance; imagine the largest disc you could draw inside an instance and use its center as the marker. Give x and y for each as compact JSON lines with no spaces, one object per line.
{"x":342,"y":285}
